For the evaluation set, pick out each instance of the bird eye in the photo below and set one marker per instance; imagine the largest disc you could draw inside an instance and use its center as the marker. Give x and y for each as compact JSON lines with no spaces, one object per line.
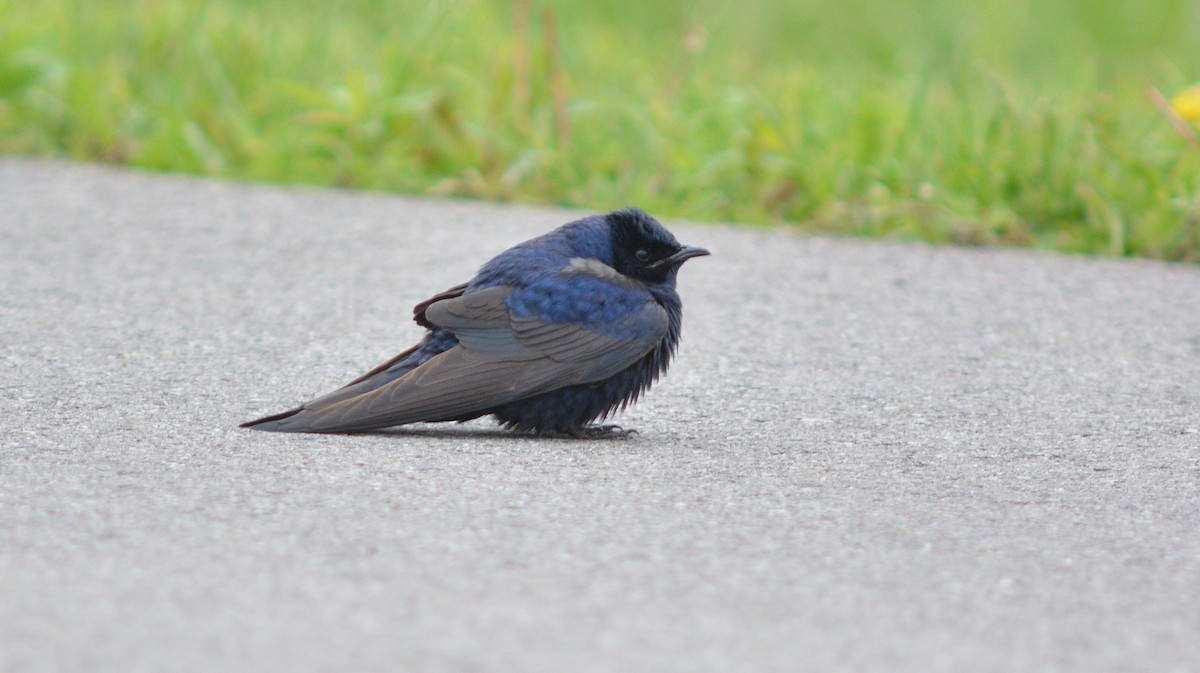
{"x":642,"y":254}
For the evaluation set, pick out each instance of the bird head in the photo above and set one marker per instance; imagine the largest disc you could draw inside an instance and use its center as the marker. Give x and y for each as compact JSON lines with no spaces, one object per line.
{"x":644,"y":249}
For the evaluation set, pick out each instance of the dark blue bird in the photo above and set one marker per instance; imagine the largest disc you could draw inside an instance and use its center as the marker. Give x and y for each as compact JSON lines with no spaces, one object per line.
{"x":548,"y":337}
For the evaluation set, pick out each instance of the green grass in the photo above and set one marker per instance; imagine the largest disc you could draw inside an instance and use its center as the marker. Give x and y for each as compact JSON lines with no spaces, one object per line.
{"x":1015,"y":122}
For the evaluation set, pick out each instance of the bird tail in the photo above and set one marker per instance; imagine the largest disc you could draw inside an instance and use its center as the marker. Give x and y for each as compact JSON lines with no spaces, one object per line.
{"x":272,"y":423}
{"x":296,"y":420}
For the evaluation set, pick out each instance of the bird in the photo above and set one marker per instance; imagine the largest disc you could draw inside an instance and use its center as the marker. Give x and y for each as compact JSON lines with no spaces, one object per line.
{"x":548,"y":337}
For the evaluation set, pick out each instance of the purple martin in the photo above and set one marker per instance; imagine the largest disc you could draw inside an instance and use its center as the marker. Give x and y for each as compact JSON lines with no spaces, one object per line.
{"x":548,"y":337}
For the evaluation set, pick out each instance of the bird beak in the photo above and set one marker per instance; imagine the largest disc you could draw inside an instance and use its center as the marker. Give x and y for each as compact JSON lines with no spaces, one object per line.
{"x":685,"y":253}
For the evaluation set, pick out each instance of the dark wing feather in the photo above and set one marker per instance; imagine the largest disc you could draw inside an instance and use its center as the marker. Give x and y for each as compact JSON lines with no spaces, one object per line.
{"x":419,"y":309}
{"x":500,"y":359}
{"x":419,"y":318}
{"x":376,"y":377}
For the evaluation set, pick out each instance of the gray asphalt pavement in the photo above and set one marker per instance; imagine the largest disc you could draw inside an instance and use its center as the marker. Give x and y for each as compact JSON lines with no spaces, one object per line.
{"x":869,"y":456}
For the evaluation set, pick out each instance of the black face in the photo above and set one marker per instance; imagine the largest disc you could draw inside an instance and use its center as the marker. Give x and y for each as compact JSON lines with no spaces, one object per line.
{"x":644,"y":249}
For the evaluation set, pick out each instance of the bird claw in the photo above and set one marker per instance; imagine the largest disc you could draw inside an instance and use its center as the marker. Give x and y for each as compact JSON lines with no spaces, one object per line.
{"x":604,"y":432}
{"x":591,"y":432}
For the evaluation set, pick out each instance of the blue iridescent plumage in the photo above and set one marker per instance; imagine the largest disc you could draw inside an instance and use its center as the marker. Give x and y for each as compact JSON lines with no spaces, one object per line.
{"x":549,"y":336}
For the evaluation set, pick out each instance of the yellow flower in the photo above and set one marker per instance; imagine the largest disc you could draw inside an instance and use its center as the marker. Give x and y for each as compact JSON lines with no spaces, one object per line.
{"x":1187,"y":104}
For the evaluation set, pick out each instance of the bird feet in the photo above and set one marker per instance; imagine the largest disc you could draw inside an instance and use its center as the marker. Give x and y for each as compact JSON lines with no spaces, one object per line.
{"x":592,"y":432}
{"x":607,"y":432}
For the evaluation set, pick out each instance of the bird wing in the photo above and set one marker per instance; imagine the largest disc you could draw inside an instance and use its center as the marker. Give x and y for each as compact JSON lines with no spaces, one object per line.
{"x":419,"y":318}
{"x":502,"y":357}
{"x":483,"y":323}
{"x":419,"y":309}
{"x":382,"y":373}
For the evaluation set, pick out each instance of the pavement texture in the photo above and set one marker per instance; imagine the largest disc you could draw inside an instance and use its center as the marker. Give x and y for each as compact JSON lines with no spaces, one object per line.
{"x":869,"y":456}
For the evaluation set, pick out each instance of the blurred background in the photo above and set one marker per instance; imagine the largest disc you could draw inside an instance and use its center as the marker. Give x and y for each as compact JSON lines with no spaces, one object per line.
{"x":1063,"y":124}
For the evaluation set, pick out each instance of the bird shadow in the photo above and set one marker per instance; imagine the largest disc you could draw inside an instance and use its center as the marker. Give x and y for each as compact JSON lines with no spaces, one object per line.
{"x":487,"y":433}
